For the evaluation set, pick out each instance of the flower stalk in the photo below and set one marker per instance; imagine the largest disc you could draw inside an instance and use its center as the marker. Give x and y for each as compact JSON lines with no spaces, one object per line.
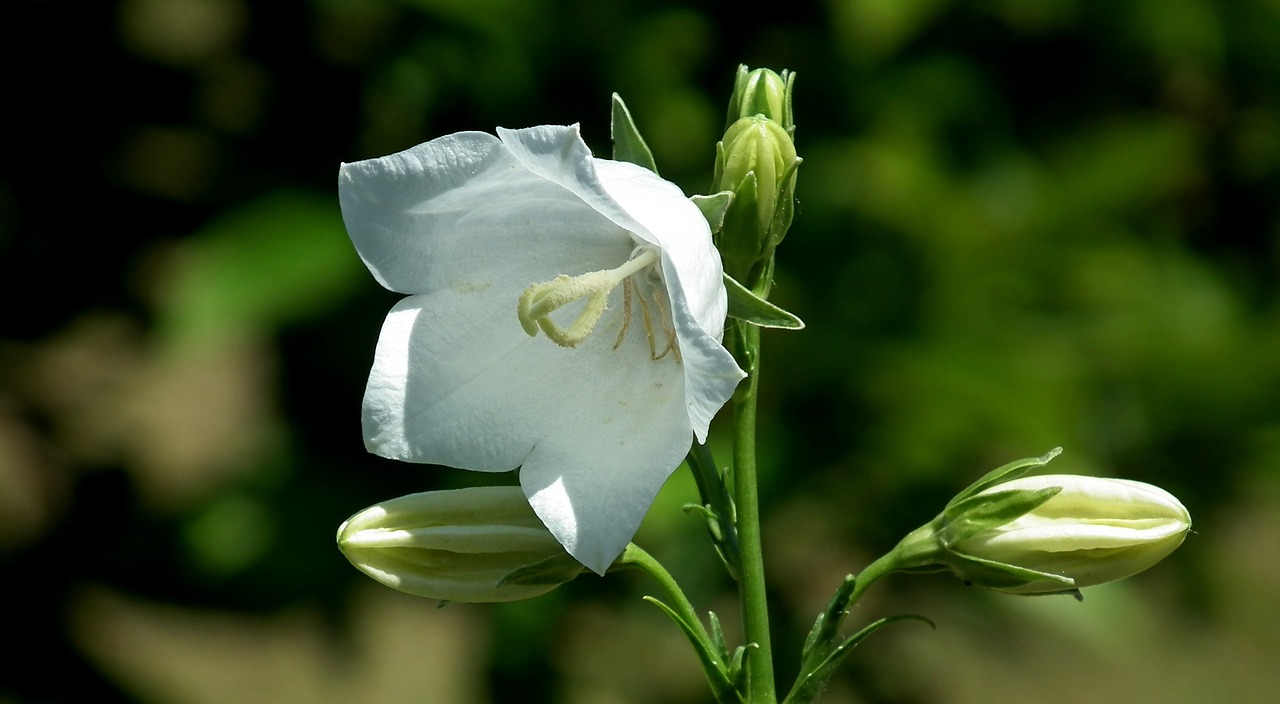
{"x":745,"y":344}
{"x":756,"y":162}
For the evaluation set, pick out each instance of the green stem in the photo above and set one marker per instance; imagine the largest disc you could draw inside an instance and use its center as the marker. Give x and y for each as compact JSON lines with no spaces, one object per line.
{"x":882,"y":566}
{"x":755,"y":609}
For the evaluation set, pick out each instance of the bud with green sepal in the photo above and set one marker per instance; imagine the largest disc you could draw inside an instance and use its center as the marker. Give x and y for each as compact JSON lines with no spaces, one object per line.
{"x":762,"y":92}
{"x":1048,"y":534}
{"x":756,"y":161}
{"x":480,"y":544}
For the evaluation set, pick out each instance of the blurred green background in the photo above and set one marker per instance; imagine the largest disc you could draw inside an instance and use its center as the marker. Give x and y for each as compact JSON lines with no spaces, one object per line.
{"x":1020,"y":225}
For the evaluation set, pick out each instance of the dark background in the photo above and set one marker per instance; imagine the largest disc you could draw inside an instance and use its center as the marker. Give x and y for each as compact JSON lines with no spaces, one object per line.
{"x":1020,"y":225}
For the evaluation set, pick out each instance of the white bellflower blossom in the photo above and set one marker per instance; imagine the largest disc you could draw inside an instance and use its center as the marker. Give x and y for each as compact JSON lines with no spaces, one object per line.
{"x":565,"y":316}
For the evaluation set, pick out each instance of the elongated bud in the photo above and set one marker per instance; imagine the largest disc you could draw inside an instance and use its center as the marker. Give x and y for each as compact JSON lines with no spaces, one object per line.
{"x":762,"y":92}
{"x":756,"y":161}
{"x":1050,"y":533}
{"x":478,"y":544}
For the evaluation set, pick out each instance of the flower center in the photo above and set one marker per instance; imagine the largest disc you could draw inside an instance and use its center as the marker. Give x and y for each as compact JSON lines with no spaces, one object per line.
{"x":540,"y":300}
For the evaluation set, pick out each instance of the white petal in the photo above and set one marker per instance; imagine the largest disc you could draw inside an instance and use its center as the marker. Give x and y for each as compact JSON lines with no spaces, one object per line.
{"x":692,"y":271}
{"x":460,"y":213}
{"x":592,"y":489}
{"x":710,"y":373}
{"x":675,"y":224}
{"x":558,"y":155}
{"x":455,"y":385}
{"x":1066,"y":535}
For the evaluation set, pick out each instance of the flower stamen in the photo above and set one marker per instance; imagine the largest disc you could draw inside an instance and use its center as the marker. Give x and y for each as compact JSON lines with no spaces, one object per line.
{"x":540,"y":300}
{"x":667,"y":327}
{"x":670,"y":329}
{"x":626,"y":313}
{"x":648,"y":327}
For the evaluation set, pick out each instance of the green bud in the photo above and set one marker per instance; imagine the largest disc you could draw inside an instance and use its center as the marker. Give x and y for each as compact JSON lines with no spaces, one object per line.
{"x":478,"y":544}
{"x":757,"y":162}
{"x":762,"y":92}
{"x":1051,"y":533}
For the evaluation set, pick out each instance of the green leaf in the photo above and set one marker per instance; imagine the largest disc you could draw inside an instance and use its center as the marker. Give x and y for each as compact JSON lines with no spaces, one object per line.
{"x":811,"y":682}
{"x":827,"y":626}
{"x":746,"y":306}
{"x":628,"y":145}
{"x":721,"y":683}
{"x":713,"y":208}
{"x":738,"y":668}
{"x":717,"y":635}
{"x":717,"y":507}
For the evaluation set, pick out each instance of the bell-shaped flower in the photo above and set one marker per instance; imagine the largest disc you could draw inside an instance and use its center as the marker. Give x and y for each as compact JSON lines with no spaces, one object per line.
{"x":565,"y":317}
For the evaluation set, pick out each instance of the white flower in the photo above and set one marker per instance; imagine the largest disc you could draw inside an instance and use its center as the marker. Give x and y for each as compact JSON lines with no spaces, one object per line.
{"x":565,"y":317}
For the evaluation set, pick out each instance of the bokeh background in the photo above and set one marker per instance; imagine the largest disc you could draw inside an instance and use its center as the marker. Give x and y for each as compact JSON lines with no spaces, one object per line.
{"x":1020,"y":225}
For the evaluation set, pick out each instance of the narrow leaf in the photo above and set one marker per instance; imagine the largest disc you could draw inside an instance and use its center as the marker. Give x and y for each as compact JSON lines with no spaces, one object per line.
{"x":827,"y":625}
{"x":717,"y":635}
{"x":628,"y":145}
{"x":810,"y":684}
{"x":721,"y":685}
{"x":746,"y":306}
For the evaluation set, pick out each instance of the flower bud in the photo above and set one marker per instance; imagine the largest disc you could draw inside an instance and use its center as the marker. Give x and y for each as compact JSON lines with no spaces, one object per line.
{"x":1092,"y":530}
{"x":470,"y":545}
{"x":756,"y":161}
{"x":1051,"y":533}
{"x":762,"y":92}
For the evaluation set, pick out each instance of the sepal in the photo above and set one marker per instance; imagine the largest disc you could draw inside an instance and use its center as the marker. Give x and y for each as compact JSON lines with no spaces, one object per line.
{"x":747,"y":306}
{"x":553,"y":571}
{"x":978,"y":514}
{"x":1004,"y":473}
{"x":714,"y":206}
{"x":628,"y":145}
